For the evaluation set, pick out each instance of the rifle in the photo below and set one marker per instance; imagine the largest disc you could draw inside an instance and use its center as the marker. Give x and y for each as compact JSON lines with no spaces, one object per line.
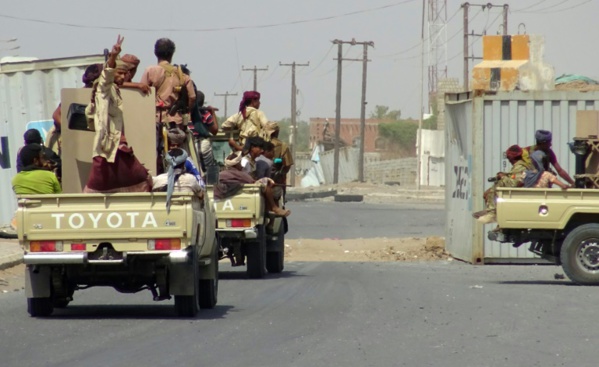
{"x":182,"y":104}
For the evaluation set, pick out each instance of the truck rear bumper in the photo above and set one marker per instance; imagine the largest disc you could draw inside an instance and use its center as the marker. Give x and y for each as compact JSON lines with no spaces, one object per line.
{"x":246,"y":233}
{"x":79,"y":258}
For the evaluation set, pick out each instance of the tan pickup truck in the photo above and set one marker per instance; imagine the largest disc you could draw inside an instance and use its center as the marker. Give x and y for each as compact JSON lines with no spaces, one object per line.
{"x":127,"y":241}
{"x":241,"y":223}
{"x":562,"y":226}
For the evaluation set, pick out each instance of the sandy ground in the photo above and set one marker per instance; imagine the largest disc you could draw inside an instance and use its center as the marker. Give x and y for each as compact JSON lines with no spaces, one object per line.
{"x":360,"y":250}
{"x":372,"y":249}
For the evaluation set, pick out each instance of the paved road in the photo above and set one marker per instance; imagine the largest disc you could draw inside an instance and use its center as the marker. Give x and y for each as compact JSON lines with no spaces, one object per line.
{"x":325,"y":314}
{"x":319,"y":220}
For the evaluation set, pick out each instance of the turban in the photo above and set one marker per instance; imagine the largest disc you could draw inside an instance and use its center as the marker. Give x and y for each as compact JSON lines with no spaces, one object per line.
{"x":92,"y":73}
{"x":543,"y":136}
{"x":132,"y":60}
{"x":120,"y":64}
{"x":176,"y":136}
{"x":247,"y":97}
{"x":513,"y":152}
{"x":233,"y":159}
{"x":175,"y":157}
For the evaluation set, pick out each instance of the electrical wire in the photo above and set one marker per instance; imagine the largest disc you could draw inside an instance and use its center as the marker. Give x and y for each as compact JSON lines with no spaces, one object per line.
{"x":547,"y":11}
{"x":312,"y":20}
{"x":530,"y":6}
{"x":321,"y":61}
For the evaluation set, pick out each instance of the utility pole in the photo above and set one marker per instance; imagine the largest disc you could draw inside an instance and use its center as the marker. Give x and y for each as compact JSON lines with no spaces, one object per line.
{"x":255,"y":70}
{"x":226,"y":95}
{"x":293,"y":137}
{"x":364,"y":60}
{"x":487,"y":6}
{"x":337,"y":112}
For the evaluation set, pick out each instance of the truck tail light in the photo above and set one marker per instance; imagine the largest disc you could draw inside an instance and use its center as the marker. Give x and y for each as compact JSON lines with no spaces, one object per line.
{"x":164,"y":244}
{"x":45,"y":246}
{"x":239,"y":222}
{"x":78,"y":247}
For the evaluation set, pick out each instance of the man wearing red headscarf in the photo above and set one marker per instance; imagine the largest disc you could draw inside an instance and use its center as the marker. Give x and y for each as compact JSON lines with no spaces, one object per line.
{"x":249,"y":120}
{"x":513,"y":178}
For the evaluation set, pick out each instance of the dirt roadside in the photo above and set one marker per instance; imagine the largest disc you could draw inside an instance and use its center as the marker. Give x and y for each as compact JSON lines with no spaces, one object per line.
{"x":357,"y":250}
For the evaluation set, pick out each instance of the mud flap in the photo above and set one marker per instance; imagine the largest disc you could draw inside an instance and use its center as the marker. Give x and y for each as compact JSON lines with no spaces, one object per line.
{"x":38,"y":283}
{"x":181,"y":282}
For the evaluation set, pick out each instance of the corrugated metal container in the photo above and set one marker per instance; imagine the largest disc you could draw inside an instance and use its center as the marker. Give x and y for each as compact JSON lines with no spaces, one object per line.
{"x":30,"y":91}
{"x":478,"y":131}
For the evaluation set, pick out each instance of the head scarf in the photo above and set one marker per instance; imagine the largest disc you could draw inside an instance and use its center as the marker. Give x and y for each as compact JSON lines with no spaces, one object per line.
{"x":173,"y":173}
{"x":543,"y":136}
{"x":513,"y":152}
{"x":176,"y":136}
{"x":131,"y":60}
{"x":28,"y":154}
{"x":532,"y":176}
{"x":91,"y":74}
{"x":120,"y":64}
{"x":233,"y":159}
{"x":247,"y":97}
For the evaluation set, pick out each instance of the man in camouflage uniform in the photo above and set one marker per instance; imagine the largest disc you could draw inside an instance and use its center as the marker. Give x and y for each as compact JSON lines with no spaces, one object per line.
{"x":513,"y":178}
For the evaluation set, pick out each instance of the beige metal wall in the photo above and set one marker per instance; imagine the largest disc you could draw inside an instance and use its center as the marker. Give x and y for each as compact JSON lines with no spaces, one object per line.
{"x":478,"y":131}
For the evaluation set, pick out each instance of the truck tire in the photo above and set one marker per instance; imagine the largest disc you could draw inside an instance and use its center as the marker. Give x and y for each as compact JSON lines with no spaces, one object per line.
{"x":40,"y":307}
{"x":580,"y":255}
{"x":208,"y":292}
{"x":187,"y":306}
{"x":275,"y":260}
{"x":256,"y":255}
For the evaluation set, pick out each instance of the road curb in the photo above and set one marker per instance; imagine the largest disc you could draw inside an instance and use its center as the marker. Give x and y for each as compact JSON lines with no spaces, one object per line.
{"x":8,"y":261}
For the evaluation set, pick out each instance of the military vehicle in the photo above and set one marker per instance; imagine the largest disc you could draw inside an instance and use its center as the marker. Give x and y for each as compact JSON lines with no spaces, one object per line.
{"x":562,"y":227}
{"x":242,"y":221}
{"x":127,"y":241}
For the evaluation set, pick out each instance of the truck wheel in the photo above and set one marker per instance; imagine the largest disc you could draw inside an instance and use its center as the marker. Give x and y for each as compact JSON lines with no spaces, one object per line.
{"x":40,"y":307}
{"x":208,"y":293}
{"x":60,"y":303}
{"x":256,"y":255}
{"x":187,"y":306}
{"x":275,"y":259}
{"x":580,"y":255}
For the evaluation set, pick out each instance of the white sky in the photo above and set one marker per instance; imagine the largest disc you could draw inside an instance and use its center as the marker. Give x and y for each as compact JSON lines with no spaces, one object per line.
{"x":216,"y":57}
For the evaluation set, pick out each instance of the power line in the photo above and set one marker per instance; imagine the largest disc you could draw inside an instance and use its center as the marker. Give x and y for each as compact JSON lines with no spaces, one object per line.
{"x":312,"y":20}
{"x":547,"y":11}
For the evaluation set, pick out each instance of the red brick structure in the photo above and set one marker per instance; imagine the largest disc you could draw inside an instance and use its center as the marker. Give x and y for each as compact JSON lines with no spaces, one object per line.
{"x":350,"y":132}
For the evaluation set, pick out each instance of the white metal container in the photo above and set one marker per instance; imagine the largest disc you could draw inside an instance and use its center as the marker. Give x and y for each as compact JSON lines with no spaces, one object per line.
{"x":478,"y":131}
{"x":30,"y":91}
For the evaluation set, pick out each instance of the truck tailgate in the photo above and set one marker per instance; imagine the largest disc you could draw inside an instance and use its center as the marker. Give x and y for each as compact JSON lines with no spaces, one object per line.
{"x":102,"y":217}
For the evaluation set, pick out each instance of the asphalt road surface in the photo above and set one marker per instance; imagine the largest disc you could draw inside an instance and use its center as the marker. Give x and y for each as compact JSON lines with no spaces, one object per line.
{"x":325,"y":314}
{"x":318,"y":220}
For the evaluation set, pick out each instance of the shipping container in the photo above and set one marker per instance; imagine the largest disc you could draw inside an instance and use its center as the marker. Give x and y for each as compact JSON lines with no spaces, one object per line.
{"x":29,"y":94}
{"x":478,"y":131}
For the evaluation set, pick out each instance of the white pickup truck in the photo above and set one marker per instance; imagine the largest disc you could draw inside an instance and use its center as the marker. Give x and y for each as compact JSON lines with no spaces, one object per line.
{"x":242,"y":220}
{"x":127,"y":241}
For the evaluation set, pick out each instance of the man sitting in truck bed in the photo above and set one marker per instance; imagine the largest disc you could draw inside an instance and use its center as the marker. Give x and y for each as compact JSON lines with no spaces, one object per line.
{"x":513,"y":178}
{"x":544,"y":139}
{"x":35,"y":178}
{"x":176,"y":179}
{"x":232,"y":179}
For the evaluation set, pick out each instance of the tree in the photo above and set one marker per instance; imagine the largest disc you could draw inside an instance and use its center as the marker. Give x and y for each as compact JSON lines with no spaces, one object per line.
{"x":303,"y":134}
{"x":383,"y":113}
